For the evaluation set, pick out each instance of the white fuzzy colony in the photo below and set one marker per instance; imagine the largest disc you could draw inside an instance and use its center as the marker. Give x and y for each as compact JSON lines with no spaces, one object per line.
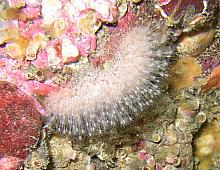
{"x":105,"y":98}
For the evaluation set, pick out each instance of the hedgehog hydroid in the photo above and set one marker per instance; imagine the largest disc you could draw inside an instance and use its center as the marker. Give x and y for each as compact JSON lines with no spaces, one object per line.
{"x":101,"y":98}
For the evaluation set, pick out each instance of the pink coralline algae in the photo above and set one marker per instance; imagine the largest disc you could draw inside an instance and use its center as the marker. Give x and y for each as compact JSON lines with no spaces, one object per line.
{"x":50,"y":34}
{"x":210,"y":63}
{"x":8,"y":72}
{"x":21,"y":121}
{"x":211,"y":56}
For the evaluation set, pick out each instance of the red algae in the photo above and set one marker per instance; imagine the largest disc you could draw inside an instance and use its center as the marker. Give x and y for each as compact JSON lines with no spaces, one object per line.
{"x":169,"y":6}
{"x":20,"y":123}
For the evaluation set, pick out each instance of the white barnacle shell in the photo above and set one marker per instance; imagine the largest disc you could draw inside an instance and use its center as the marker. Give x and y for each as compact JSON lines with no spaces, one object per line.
{"x":53,"y":59}
{"x":103,"y":8}
{"x":69,"y":49}
{"x":31,"y":51}
{"x":33,"y":3}
{"x":50,"y":10}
